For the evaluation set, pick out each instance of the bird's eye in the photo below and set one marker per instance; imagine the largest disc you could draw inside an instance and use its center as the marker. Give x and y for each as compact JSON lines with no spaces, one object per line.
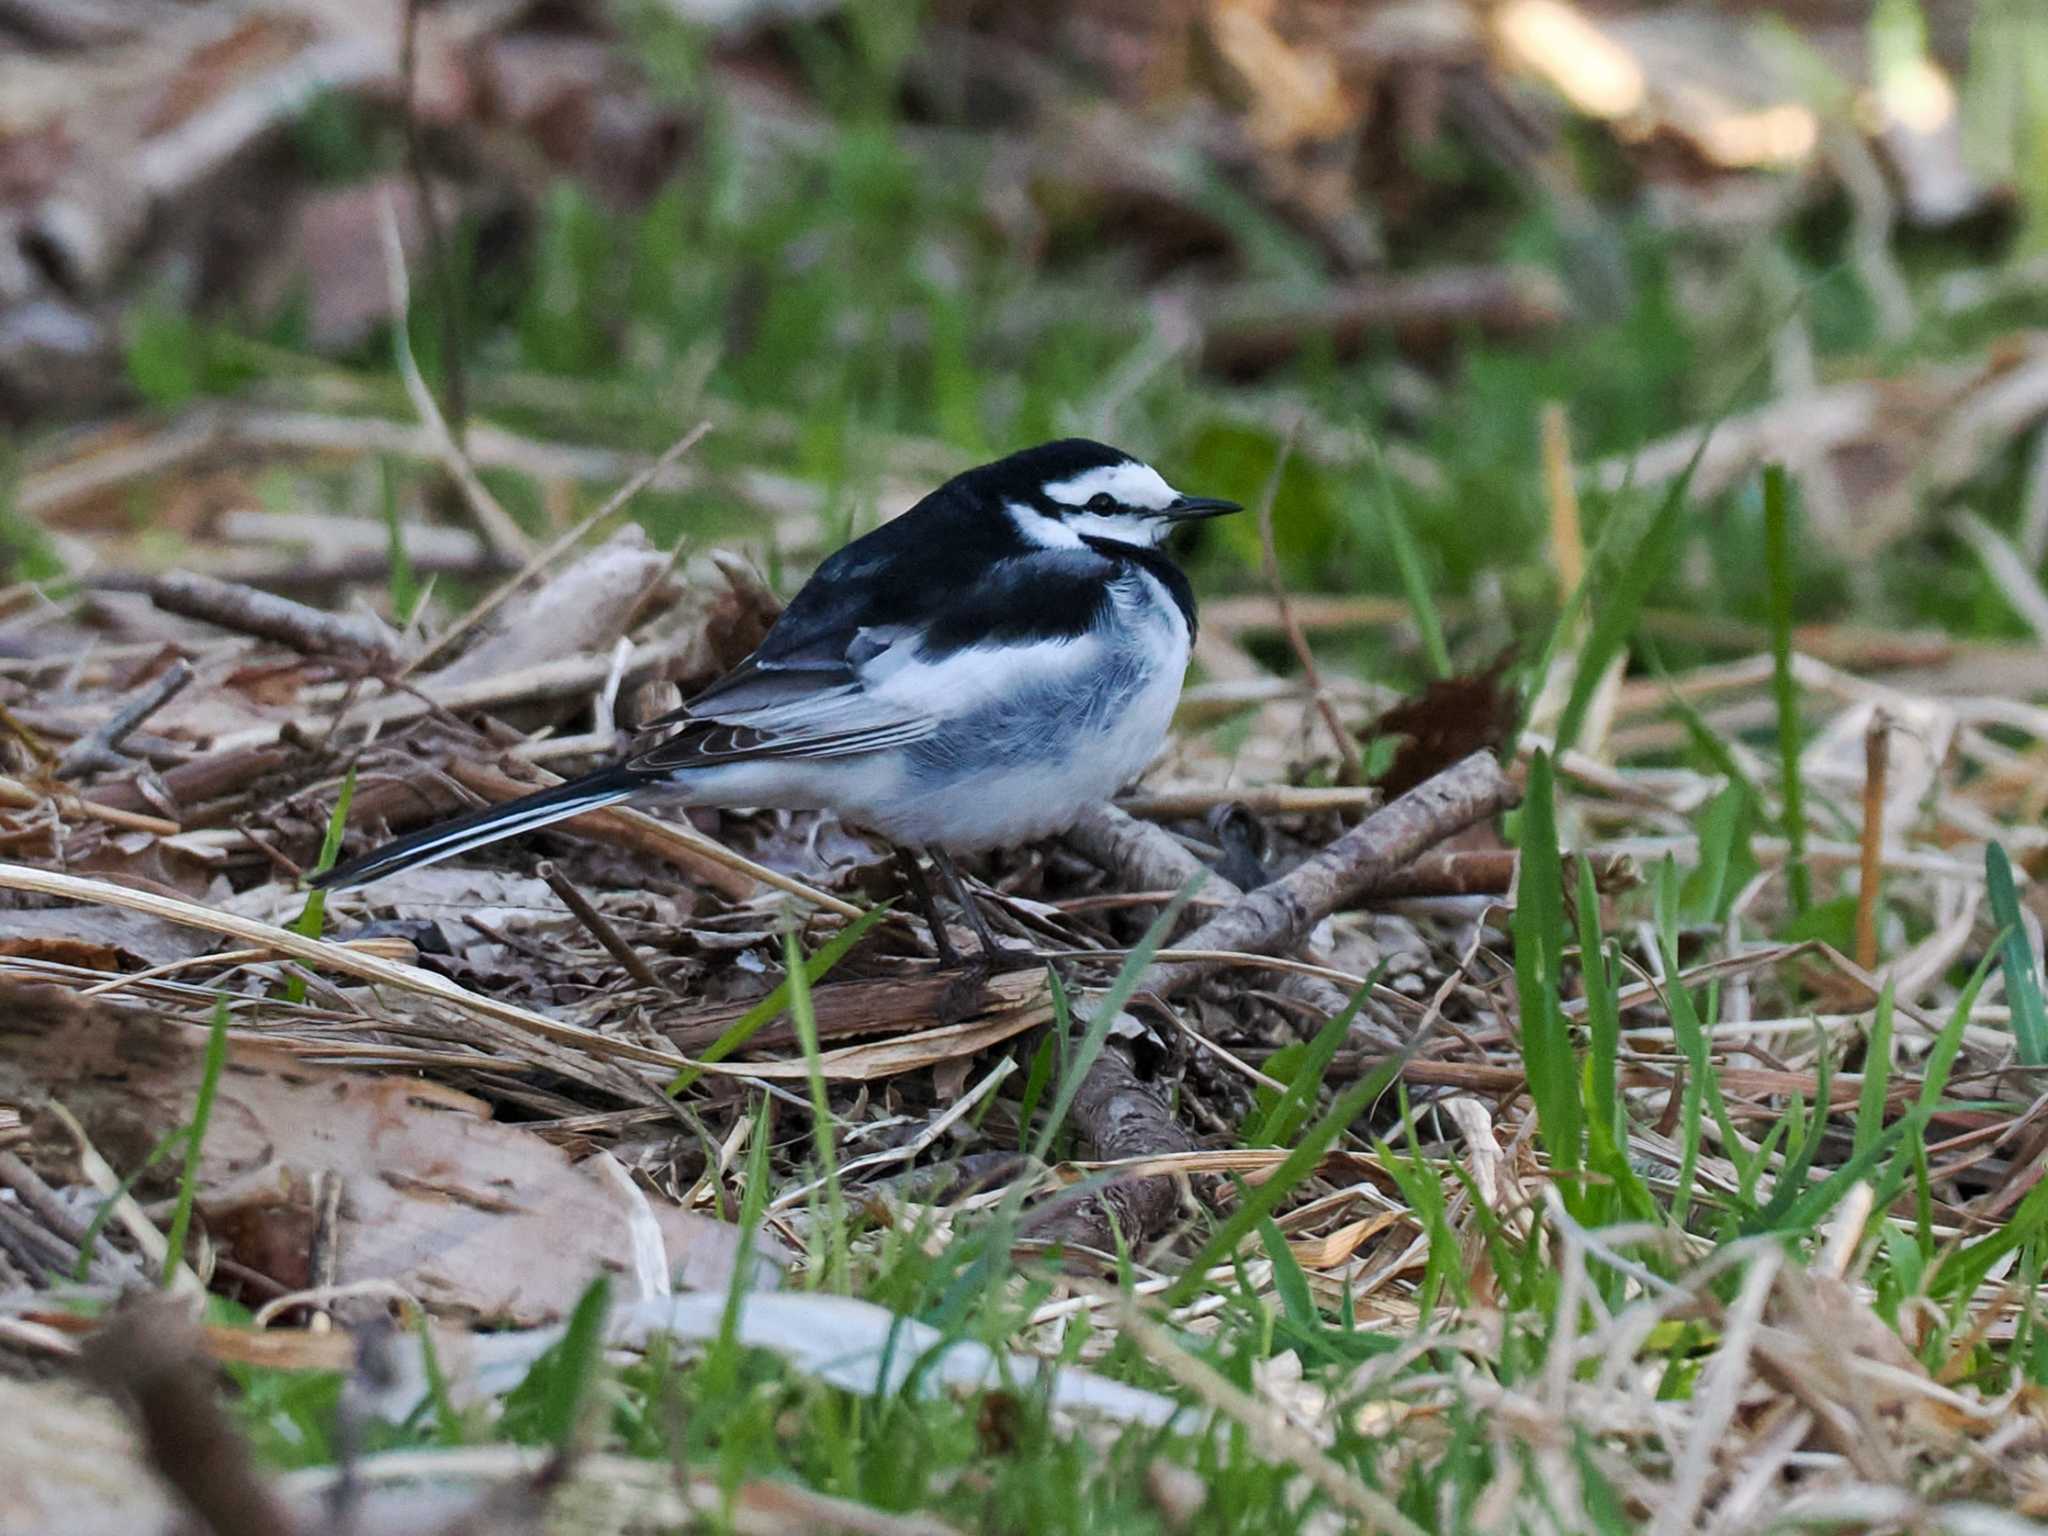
{"x":1102,"y":501}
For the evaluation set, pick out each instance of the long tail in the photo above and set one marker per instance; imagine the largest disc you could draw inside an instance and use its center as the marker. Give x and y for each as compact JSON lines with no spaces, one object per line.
{"x":485,"y":825}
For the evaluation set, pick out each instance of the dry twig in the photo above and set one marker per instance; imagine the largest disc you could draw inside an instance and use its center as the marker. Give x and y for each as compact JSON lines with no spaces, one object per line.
{"x":600,"y":929}
{"x":1280,"y":915}
{"x":1118,"y":1106}
{"x":247,"y":611}
{"x":100,"y":749}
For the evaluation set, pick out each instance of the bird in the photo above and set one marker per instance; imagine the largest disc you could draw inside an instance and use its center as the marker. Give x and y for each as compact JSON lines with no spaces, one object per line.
{"x":967,"y":676}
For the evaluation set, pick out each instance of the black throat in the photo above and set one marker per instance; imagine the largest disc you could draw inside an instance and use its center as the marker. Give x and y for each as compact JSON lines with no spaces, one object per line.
{"x":1148,"y":559}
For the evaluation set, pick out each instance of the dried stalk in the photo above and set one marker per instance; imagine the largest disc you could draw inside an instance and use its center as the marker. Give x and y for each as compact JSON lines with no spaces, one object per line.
{"x":600,"y":928}
{"x":14,"y":792}
{"x":505,"y":536}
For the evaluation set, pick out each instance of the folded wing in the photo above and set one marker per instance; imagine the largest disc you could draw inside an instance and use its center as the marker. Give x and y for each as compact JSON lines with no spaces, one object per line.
{"x":826,"y":690}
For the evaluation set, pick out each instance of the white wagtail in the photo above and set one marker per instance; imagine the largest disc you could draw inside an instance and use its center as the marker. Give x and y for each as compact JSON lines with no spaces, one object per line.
{"x":967,"y":676}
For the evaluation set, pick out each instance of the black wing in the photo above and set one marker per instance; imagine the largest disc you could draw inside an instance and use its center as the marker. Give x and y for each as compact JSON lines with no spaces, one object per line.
{"x":862,"y":599}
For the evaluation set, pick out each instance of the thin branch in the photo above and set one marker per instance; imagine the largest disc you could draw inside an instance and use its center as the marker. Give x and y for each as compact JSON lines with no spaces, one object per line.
{"x":500,"y":531}
{"x":248,"y":611}
{"x":597,"y":924}
{"x":1278,"y":916}
{"x":101,"y":749}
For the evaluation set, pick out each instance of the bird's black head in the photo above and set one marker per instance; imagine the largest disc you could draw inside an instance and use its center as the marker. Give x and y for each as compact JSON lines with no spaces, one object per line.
{"x":1059,"y":493}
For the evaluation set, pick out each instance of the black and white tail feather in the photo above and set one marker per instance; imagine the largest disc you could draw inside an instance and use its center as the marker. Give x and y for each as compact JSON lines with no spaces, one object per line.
{"x":487,"y":824}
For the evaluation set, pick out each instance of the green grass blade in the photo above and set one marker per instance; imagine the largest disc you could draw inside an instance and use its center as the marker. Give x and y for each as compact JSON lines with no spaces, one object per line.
{"x":195,"y":1139}
{"x":1119,"y":992}
{"x":1909,"y":1161}
{"x":1778,"y":570}
{"x":1606,"y":1113}
{"x":755,"y":1019}
{"x":1810,"y":1204}
{"x":404,"y":584}
{"x":88,"y":1244}
{"x":1423,"y":1191}
{"x":312,"y":918}
{"x":1625,"y":587}
{"x":721,"y":1364}
{"x":835,"y":1270}
{"x":1603,"y":1013}
{"x":1964,"y":1270}
{"x":1792,"y":1177}
{"x":572,"y":1366}
{"x":448,"y":1425}
{"x":1408,"y":562}
{"x":1291,"y":1108}
{"x":1877,"y":1073}
{"x":1539,"y":928}
{"x":2022,"y":981}
{"x":1726,"y":863}
{"x":1702,"y":1083}
{"x":1035,"y":1083}
{"x":1289,"y":1283}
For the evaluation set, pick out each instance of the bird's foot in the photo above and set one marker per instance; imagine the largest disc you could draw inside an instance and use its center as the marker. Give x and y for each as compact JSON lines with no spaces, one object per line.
{"x":965,"y":994}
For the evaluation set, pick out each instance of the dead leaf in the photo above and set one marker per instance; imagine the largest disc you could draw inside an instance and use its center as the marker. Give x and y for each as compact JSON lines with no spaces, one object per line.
{"x":1447,"y":722}
{"x":115,"y":940}
{"x":579,"y":612}
{"x":436,"y":1197}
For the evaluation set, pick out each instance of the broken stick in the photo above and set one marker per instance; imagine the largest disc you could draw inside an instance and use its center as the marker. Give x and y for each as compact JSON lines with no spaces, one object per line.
{"x":246,"y":611}
{"x":1279,"y":915}
{"x":1117,"y":1107}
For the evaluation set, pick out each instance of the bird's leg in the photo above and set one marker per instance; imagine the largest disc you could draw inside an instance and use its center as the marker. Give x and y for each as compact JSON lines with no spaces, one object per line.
{"x":991,"y":952}
{"x":921,"y":895}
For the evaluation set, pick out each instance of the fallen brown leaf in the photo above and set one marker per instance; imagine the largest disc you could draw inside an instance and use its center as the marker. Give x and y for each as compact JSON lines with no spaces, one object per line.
{"x":476,"y":1219}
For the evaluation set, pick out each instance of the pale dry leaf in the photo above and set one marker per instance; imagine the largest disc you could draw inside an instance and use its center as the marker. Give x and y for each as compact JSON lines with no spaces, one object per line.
{"x":846,"y":1342}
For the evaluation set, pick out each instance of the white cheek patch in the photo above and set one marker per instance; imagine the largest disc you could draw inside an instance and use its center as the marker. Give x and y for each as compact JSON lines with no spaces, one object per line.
{"x":1132,"y":484}
{"x":1037,"y":528}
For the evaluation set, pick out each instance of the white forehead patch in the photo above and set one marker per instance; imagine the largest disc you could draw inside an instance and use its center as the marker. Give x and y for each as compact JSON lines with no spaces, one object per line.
{"x":1132,"y":484}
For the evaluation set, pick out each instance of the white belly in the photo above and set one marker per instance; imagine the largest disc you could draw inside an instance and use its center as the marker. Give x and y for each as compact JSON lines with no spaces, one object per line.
{"x":1009,"y":775}
{"x":1033,"y":793}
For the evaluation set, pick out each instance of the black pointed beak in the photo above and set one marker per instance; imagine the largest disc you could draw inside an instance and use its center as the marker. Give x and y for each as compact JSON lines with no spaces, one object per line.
{"x":1193,"y":508}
